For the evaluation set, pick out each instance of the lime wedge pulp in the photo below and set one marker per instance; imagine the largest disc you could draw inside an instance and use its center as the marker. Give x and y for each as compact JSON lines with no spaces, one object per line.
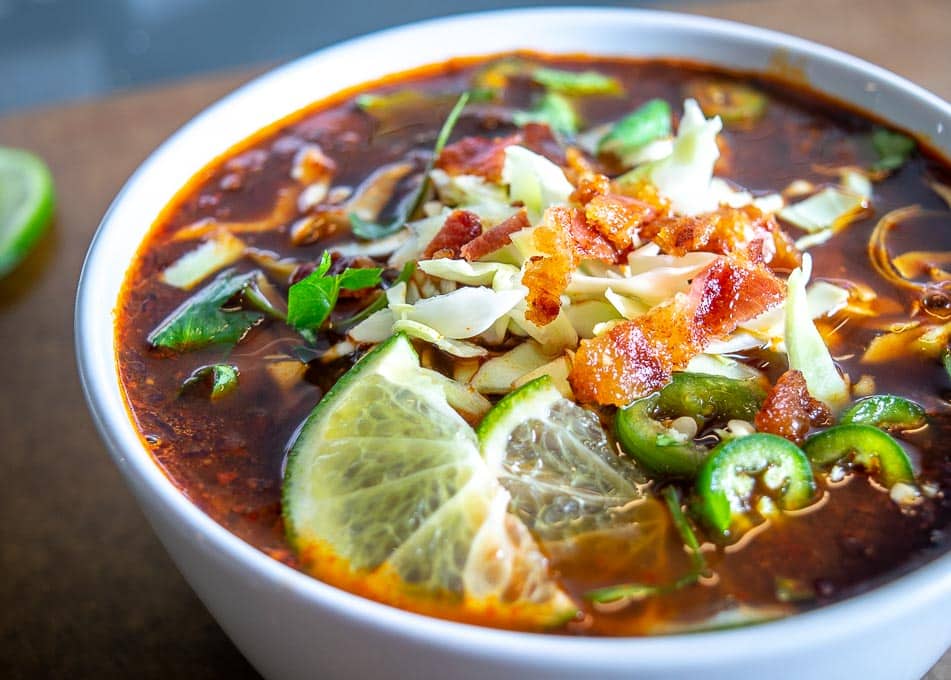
{"x":26,"y":204}
{"x":386,"y":494}
{"x":556,"y":461}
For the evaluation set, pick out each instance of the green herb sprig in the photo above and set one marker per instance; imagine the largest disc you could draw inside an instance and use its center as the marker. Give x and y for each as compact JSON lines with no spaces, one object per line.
{"x":310,"y":300}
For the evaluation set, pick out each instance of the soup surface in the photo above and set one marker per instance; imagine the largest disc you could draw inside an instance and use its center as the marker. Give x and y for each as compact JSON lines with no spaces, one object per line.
{"x":636,"y":232}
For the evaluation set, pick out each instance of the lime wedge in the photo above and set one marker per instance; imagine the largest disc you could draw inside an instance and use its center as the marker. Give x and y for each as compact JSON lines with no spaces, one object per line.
{"x":556,"y":461}
{"x":386,"y":494}
{"x":26,"y":204}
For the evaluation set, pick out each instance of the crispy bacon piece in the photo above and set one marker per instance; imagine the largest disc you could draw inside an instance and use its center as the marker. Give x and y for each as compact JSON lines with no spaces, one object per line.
{"x":618,"y":218}
{"x":646,"y":192}
{"x":588,"y":186}
{"x":565,"y":238}
{"x":539,"y":138}
{"x":587,"y":241}
{"x":459,"y":229}
{"x":498,"y":236}
{"x":728,"y":292}
{"x":634,"y":358}
{"x":476,"y":156}
{"x":546,"y":276}
{"x":725,"y":230}
{"x":790,"y":411}
{"x":787,"y":255}
{"x":579,"y":168}
{"x":637,"y":357}
{"x":485,"y":157}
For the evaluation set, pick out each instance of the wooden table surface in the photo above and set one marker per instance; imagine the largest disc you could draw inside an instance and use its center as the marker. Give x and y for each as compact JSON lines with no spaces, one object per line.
{"x":85,"y":588}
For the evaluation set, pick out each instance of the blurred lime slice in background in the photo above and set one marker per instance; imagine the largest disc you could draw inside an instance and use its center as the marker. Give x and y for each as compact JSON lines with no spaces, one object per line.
{"x":26,"y":204}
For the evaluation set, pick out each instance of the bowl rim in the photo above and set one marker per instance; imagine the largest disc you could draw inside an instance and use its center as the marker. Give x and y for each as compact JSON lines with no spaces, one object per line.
{"x":100,"y":382}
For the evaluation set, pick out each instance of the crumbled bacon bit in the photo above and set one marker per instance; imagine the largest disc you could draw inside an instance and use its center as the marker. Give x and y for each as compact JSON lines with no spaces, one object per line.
{"x":485,"y":157}
{"x":634,"y":358}
{"x":497,"y":237}
{"x":728,"y":292}
{"x":476,"y":156}
{"x":590,"y":186}
{"x":565,"y":238}
{"x":587,"y":241}
{"x":618,"y":218}
{"x":547,"y":276}
{"x":578,"y":167}
{"x":790,"y":411}
{"x":637,"y":357}
{"x":787,"y":255}
{"x":646,"y":192}
{"x":460,"y":228}
{"x":539,"y":138}
{"x":725,"y":230}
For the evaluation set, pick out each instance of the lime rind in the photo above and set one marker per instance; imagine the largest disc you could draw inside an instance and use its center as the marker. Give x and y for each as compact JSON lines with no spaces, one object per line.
{"x":27,"y":201}
{"x":386,"y":491}
{"x":372,"y":394}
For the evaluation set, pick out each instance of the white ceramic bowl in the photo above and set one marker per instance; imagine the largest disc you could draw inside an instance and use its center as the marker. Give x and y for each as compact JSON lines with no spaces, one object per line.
{"x":292,"y":626}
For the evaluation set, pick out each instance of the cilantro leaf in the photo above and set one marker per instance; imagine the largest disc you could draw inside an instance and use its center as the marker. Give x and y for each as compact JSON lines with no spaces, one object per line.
{"x":371,"y":231}
{"x":223,"y":378}
{"x":200,"y":321}
{"x":310,"y":300}
{"x":575,"y":82}
{"x":893,"y":149}
{"x":355,"y":279}
{"x":379,"y":302}
{"x":555,"y":111}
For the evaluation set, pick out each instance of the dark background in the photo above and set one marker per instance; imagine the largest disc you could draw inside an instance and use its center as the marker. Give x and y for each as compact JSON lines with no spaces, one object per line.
{"x":55,"y":50}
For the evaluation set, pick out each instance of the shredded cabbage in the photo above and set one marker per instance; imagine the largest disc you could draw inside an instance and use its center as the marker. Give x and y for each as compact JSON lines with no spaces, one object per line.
{"x":650,"y":277}
{"x":684,"y":176}
{"x":441,"y":320}
{"x":534,"y":180}
{"x":822,"y":299}
{"x":556,"y":369}
{"x":469,"y":273}
{"x":585,"y":315}
{"x":465,"y":312}
{"x":554,"y":337}
{"x":473,"y":193}
{"x":721,"y":365}
{"x":831,"y":208}
{"x":221,"y":250}
{"x":498,"y":375}
{"x":421,"y":233}
{"x":805,"y":347}
{"x":627,"y":307}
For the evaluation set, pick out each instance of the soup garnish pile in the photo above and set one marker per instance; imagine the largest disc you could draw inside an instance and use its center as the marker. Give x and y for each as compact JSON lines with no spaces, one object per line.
{"x":588,"y":345}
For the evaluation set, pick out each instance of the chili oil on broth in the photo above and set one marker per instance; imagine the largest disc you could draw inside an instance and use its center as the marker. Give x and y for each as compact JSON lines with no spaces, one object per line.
{"x":227,"y":456}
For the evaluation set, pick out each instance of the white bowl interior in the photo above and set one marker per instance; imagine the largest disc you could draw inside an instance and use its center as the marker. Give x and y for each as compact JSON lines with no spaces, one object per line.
{"x":292,"y":87}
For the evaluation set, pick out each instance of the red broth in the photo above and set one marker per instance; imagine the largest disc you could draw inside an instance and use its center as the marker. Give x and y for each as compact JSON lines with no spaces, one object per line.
{"x":227,"y":456}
